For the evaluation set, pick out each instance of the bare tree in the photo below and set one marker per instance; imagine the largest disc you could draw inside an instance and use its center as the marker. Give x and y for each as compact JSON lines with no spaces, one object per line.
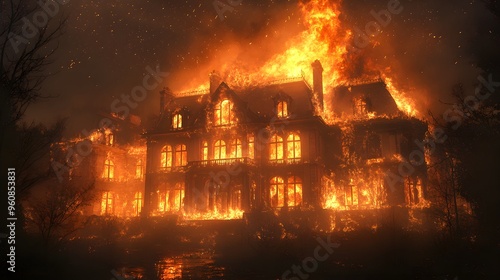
{"x":56,"y":211}
{"x":27,"y":42}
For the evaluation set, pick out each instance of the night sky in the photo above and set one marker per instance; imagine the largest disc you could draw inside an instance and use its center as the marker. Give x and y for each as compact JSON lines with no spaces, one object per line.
{"x":108,"y":44}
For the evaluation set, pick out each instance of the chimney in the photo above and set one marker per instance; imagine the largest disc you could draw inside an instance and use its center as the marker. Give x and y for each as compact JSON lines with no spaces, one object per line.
{"x":215,"y":81}
{"x":318,"y":82}
{"x":166,"y":96}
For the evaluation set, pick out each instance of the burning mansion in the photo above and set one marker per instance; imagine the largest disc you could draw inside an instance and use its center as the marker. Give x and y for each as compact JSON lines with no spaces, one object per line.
{"x":281,"y":146}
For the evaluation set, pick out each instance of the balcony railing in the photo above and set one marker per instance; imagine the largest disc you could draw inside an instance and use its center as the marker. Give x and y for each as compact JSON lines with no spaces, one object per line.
{"x":286,"y":161}
{"x":221,"y":162}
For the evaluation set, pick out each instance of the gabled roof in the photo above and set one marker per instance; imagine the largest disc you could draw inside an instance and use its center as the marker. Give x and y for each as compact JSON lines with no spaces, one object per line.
{"x":377,"y":97}
{"x":252,"y":104}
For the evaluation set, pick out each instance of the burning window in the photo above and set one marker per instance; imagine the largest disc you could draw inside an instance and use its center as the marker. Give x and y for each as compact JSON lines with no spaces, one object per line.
{"x":139,"y":171}
{"x":109,"y":138}
{"x":172,"y":200}
{"x":351,"y":194}
{"x":276,"y":148}
{"x":137,"y":203}
{"x":204,"y":150}
{"x":293,"y":146}
{"x":251,"y":147}
{"x":109,"y":170}
{"x":177,"y":121}
{"x":180,"y":155}
{"x":282,"y":109}
{"x":223,"y":114}
{"x":277,"y":192}
{"x":360,"y":108}
{"x":107,"y":203}
{"x":236,"y":151}
{"x":220,"y":149}
{"x":294,"y":189}
{"x":166,"y":157}
{"x":413,"y":191}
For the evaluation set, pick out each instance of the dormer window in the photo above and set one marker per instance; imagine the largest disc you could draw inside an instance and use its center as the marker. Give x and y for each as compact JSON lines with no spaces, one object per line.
{"x":282,"y":109}
{"x":223,"y":114}
{"x":177,"y":121}
{"x":360,"y":107}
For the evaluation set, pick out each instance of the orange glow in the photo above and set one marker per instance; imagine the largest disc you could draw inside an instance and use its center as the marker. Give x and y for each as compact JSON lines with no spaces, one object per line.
{"x":236,"y":150}
{"x":166,"y":157}
{"x":294,"y":190}
{"x":277,"y":192}
{"x":109,"y":170}
{"x":180,"y":155}
{"x":223,"y":114}
{"x":107,"y":203}
{"x":282,"y":109}
{"x":137,"y":203}
{"x":405,"y":103}
{"x":220,"y":149}
{"x":204,"y":150}
{"x":276,"y":148}
{"x":139,"y":171}
{"x":251,"y":147}
{"x":293,"y":146}
{"x":177,"y":121}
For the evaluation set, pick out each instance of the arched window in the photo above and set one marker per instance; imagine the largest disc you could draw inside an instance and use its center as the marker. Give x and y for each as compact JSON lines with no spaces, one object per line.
{"x":277,"y":192}
{"x":109,"y":170}
{"x":236,"y":148}
{"x":166,"y":157}
{"x":139,"y":170}
{"x":177,"y":121}
{"x":107,"y":203}
{"x":223,"y":114}
{"x":294,"y":191}
{"x":282,"y":109}
{"x":137,"y":203}
{"x":204,"y":150}
{"x":293,"y":150}
{"x":276,"y":148}
{"x":220,"y":149}
{"x":180,"y":155}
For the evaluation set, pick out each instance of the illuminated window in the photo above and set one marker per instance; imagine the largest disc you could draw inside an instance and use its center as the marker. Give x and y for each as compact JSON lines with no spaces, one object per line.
{"x":282,"y":109}
{"x":276,"y":148}
{"x":204,"y":150}
{"x":180,"y":155}
{"x":137,"y":203}
{"x":413,"y":191}
{"x":251,"y":147}
{"x":351,"y":194}
{"x":220,"y":149}
{"x":177,"y":121}
{"x":223,"y":114}
{"x":172,"y":200}
{"x":139,"y":169}
{"x":166,"y":157}
{"x":109,"y":138}
{"x":107,"y":203}
{"x":360,"y":107}
{"x":236,"y":151}
{"x":294,"y":191}
{"x":293,"y":150}
{"x":277,"y":192}
{"x":109,"y":170}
